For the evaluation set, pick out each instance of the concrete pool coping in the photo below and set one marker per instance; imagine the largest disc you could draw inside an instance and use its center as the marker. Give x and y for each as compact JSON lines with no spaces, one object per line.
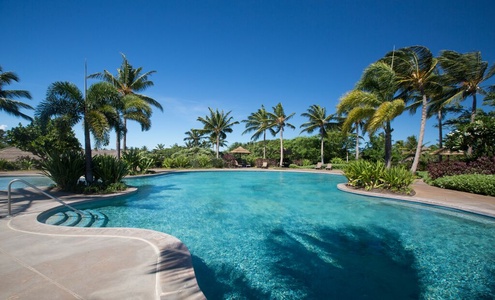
{"x":40,"y":261}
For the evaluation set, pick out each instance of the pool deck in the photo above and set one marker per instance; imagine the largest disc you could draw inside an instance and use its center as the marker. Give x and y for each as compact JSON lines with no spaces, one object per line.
{"x":39,"y":261}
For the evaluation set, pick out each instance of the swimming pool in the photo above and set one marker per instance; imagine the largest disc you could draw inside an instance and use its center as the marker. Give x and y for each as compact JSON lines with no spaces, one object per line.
{"x":37,"y":180}
{"x":287,"y":235}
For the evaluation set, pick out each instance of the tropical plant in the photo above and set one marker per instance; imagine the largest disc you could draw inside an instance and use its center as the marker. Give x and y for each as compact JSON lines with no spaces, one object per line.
{"x":217,"y":125}
{"x":64,"y":99}
{"x":415,"y":71}
{"x":137,"y":160}
{"x":109,"y":169}
{"x":374,"y":100}
{"x":466,"y":72}
{"x":258,"y":122}
{"x":193,"y":138}
{"x":129,"y":82}
{"x":278,"y":122}
{"x":319,"y":120}
{"x":64,"y":169}
{"x":7,"y":102}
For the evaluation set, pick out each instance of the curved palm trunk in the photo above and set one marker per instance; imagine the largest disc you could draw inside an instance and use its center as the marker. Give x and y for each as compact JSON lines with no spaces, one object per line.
{"x":440,"y":133}
{"x":388,"y":145}
{"x":87,"y":154}
{"x":281,"y":147}
{"x":357,"y":140}
{"x":473,"y":116}
{"x":417,"y":155}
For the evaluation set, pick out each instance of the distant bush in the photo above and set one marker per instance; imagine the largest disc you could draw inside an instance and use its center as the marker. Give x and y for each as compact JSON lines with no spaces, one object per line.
{"x":482,"y":165}
{"x":471,"y":183}
{"x":337,"y":161}
{"x":7,"y":165}
{"x":109,"y":170}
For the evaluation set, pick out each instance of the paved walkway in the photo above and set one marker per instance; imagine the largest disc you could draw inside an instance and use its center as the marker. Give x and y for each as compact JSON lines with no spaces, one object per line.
{"x":39,"y":261}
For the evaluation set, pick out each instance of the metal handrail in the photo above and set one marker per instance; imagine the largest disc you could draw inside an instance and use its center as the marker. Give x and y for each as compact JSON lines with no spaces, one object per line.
{"x":37,"y":189}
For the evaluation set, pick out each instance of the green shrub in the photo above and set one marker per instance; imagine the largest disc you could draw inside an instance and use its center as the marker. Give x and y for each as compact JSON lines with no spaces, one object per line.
{"x":7,"y":165}
{"x":306,"y":162}
{"x":398,"y":179}
{"x":109,"y":169}
{"x":217,"y":163}
{"x":168,"y":163}
{"x":374,"y":175}
{"x":201,"y":161}
{"x":337,"y":161}
{"x":138,"y":161}
{"x":64,"y":169}
{"x":471,"y":183}
{"x":181,"y":162}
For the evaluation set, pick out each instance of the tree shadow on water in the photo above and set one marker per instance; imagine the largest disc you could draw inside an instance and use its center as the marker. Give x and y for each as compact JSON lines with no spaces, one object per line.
{"x":345,"y":263}
{"x":228,"y":281}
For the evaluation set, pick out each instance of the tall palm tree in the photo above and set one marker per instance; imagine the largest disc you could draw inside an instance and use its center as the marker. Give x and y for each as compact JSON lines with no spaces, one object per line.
{"x":130,"y":82}
{"x":193,"y":138}
{"x":7,"y":102}
{"x":374,"y":100}
{"x":467,"y":72}
{"x":318,"y":119}
{"x":64,"y":99}
{"x":217,"y":124}
{"x":415,"y":71}
{"x":259,"y":123}
{"x":278,"y":121}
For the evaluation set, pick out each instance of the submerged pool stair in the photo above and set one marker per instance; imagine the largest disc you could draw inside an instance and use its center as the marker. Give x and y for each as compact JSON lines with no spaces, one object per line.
{"x":87,"y":218}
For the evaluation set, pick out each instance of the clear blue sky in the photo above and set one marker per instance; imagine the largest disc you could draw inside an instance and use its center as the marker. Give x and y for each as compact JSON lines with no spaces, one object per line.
{"x":231,"y":55}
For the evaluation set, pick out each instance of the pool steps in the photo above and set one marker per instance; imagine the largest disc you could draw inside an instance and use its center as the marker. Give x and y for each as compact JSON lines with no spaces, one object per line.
{"x":89,"y":218}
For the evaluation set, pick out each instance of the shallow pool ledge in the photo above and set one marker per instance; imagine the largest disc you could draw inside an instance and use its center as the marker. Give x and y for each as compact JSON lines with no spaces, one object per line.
{"x":425,"y":194}
{"x":122,"y":261}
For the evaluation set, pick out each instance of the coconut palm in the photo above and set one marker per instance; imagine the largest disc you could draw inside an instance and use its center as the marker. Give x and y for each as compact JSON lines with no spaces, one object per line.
{"x":130,"y":82}
{"x":64,"y":99}
{"x":259,"y":123}
{"x":7,"y":102}
{"x":374,"y":101}
{"x":217,"y":125}
{"x":278,"y":121}
{"x":466,"y":72}
{"x":318,"y":119}
{"x":193,"y":138}
{"x":415,"y":71}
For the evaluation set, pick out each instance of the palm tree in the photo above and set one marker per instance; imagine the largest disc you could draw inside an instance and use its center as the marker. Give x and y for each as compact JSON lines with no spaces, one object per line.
{"x":415,"y":70}
{"x":318,"y":119}
{"x":217,"y":124}
{"x":193,"y":138}
{"x":7,"y":102}
{"x":129,"y":82}
{"x":64,"y":99}
{"x":467,"y":72}
{"x":374,"y":100}
{"x":278,"y":121}
{"x":258,"y":122}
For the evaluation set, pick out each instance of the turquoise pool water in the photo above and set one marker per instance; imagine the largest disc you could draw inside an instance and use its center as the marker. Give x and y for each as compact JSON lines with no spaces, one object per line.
{"x":285,"y":235}
{"x":36,"y":180}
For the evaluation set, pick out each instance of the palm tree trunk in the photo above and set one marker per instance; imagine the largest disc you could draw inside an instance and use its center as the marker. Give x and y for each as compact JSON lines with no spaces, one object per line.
{"x":125,"y":135}
{"x":473,"y":117}
{"x":388,"y":145}
{"x":117,"y":146}
{"x":281,"y":147}
{"x":321,"y":150}
{"x":218,"y":144}
{"x":264,"y":144}
{"x":417,"y":155}
{"x":440,"y":133}
{"x":357,"y":140}
{"x":87,"y":153}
